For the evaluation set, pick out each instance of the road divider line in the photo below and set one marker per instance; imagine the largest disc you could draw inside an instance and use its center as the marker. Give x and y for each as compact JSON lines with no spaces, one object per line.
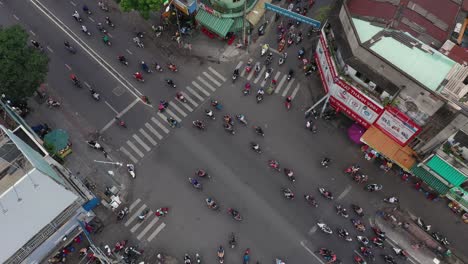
{"x":344,"y":193}
{"x":174,"y":105}
{"x":156,"y":133}
{"x":132,"y":146}
{"x":32,"y":32}
{"x":135,"y":227}
{"x":126,"y":109}
{"x":311,"y":252}
{"x":288,"y":87}
{"x":280,"y":84}
{"x":147,"y":228}
{"x":17,"y":18}
{"x":206,"y":83}
{"x":159,"y":124}
{"x":90,"y":18}
{"x":150,"y":139}
{"x":137,"y":201}
{"x":110,"y":106}
{"x":217,"y":74}
{"x":200,"y":88}
{"x":194,"y":93}
{"x":212,"y":79}
{"x":295,"y":90}
{"x":135,"y":215}
{"x":156,"y":232}
{"x":130,"y":156}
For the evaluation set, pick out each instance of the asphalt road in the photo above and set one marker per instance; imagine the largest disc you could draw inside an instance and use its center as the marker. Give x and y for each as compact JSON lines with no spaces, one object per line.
{"x":272,"y":226}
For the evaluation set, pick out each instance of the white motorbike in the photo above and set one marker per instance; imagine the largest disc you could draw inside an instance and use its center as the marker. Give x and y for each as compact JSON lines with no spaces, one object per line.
{"x":324,"y":228}
{"x":131,"y":170}
{"x":265,"y":48}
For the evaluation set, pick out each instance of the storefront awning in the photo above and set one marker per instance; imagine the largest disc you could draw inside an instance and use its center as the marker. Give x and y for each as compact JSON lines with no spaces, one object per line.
{"x":435,"y":183}
{"x":217,"y":25}
{"x":403,"y":156}
{"x":446,"y":171}
{"x":238,"y":25}
{"x":257,"y":12}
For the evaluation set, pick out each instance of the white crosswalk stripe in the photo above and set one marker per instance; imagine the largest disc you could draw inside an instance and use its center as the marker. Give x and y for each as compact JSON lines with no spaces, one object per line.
{"x":212,"y":79}
{"x":200,"y":88}
{"x":277,"y":75}
{"x":132,"y":146}
{"x":260,"y":74}
{"x":172,"y":114}
{"x":295,"y":91}
{"x":265,"y":81}
{"x":150,"y":139}
{"x":137,"y":225}
{"x":280,"y":84}
{"x":143,"y":144}
{"x":130,"y":156}
{"x":190,"y":109}
{"x":174,"y":105}
{"x":151,"y":128}
{"x":156,"y":232}
{"x":159,"y":124}
{"x":217,"y":74}
{"x":206,"y":83}
{"x":147,"y":228}
{"x":190,"y":100}
{"x":134,"y":204}
{"x":194,"y":93}
{"x":239,"y":64}
{"x":251,"y":74}
{"x":135,"y":215}
{"x":288,"y":87}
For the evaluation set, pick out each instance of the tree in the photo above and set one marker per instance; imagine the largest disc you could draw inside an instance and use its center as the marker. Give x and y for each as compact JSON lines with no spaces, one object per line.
{"x":145,"y":7}
{"x":322,"y":13}
{"x":23,"y":68}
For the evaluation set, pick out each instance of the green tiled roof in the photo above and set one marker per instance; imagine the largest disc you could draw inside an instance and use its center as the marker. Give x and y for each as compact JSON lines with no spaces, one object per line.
{"x":220,"y":26}
{"x":446,"y":171}
{"x":430,"y":179}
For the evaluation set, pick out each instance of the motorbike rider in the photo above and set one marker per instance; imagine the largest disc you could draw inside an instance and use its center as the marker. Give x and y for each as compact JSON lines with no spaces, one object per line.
{"x":187,"y":259}
{"x":209,"y":113}
{"x":228,"y":119}
{"x":257,"y":68}
{"x":325,"y":162}
{"x":259,"y":130}
{"x":255,"y":146}
{"x":201,"y":173}
{"x":342,"y":232}
{"x":288,"y":193}
{"x":144,"y":66}
{"x":76,"y":15}
{"x":194,"y":182}
{"x":170,"y":82}
{"x":105,"y":38}
{"x":122,"y":58}
{"x":35,"y":44}
{"x":211,"y":203}
{"x":392,"y":199}
{"x":236,"y":72}
{"x":138,"y":76}
{"x":180,"y":96}
{"x":172,"y":121}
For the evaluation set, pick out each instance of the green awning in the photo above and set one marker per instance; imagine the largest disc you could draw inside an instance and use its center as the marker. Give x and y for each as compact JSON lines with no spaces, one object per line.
{"x":430,"y":179}
{"x":238,"y":25}
{"x":220,"y":26}
{"x":446,"y":171}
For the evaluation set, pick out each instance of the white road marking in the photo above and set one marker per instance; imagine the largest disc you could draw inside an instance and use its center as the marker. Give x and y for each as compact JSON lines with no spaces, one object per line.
{"x":260,"y":74}
{"x":128,"y":51}
{"x":134,"y":204}
{"x":313,"y":230}
{"x":251,"y":74}
{"x":206,"y":83}
{"x":344,"y":193}
{"x":150,"y":139}
{"x":172,"y":114}
{"x":212,"y":79}
{"x":50,"y":49}
{"x":156,"y":133}
{"x":156,"y":232}
{"x":159,"y":124}
{"x":277,"y":75}
{"x":87,"y":84}
{"x":17,"y":18}
{"x":280,"y":84}
{"x":72,"y":3}
{"x":147,"y":228}
{"x":112,"y":108}
{"x":295,"y":90}
{"x":311,"y":252}
{"x":135,"y":227}
{"x":126,"y":109}
{"x":239,"y":64}
{"x":135,"y":215}
{"x":190,"y":100}
{"x":90,"y":18}
{"x":275,"y":51}
{"x":393,"y":244}
{"x":32,"y":32}
{"x":200,"y":88}
{"x":68,"y":67}
{"x":143,"y":144}
{"x":132,"y":146}
{"x":194,"y":93}
{"x":1,"y":3}
{"x":178,"y":109}
{"x":217,"y":74}
{"x":288,"y":87}
{"x":130,"y":156}
{"x":190,"y":109}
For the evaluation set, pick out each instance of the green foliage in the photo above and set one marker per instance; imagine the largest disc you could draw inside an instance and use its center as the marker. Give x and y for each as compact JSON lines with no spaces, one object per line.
{"x":22,"y":68}
{"x":322,"y":13}
{"x":145,"y":7}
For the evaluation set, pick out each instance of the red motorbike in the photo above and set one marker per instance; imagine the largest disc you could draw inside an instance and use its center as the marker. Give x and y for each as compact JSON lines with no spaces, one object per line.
{"x":162,"y":211}
{"x":287,"y":103}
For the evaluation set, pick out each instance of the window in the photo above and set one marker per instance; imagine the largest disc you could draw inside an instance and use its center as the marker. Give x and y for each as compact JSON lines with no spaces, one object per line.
{"x":358,"y":74}
{"x":465,"y":82}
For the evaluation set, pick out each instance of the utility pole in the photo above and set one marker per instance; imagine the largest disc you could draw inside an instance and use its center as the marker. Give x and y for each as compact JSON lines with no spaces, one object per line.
{"x":243,"y":25}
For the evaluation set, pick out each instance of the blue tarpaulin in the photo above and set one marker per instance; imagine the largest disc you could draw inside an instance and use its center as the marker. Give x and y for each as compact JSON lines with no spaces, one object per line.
{"x":91,"y":204}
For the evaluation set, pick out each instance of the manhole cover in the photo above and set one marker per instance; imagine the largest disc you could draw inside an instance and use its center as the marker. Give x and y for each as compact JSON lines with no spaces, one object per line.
{"x":119,"y":90}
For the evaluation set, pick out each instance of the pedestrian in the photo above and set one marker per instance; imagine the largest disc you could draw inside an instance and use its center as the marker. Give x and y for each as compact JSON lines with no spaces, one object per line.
{"x":105,"y":153}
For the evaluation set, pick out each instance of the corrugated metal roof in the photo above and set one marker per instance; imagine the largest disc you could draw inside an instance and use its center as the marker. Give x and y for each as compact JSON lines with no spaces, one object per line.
{"x":239,"y":24}
{"x":446,"y":171}
{"x":430,"y":179}
{"x":220,"y":26}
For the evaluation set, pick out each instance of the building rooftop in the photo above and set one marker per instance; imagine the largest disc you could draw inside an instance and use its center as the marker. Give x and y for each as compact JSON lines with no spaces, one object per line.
{"x":424,"y":64}
{"x":431,"y":21}
{"x":455,"y":52}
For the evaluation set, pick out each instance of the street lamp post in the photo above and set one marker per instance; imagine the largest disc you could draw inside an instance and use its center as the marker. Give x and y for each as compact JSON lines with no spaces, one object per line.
{"x":109,"y":162}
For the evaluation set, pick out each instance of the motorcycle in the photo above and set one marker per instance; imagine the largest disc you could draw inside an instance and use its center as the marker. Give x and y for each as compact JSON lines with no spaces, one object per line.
{"x":290,"y":74}
{"x":374,"y":187}
{"x":170,"y":83}
{"x":358,"y":210}
{"x":145,"y":67}
{"x":232,"y":241}
{"x":363,"y":240}
{"x":108,"y":250}
{"x":187,"y":259}
{"x":109,"y":22}
{"x":423,"y":225}
{"x":84,"y":29}
{"x":123,"y":60}
{"x":389,"y":259}
{"x":443,"y":240}
{"x":248,"y":67}
{"x":52,"y":103}
{"x":196,"y":184}
{"x":290,"y":174}
{"x":120,"y":245}
{"x":211,"y":204}
{"x":69,"y":47}
{"x":198,"y":124}
{"x":268,"y":73}
{"x":179,"y":96}
{"x":281,"y":45}
{"x":340,"y":210}
{"x":380,"y":234}
{"x":359,"y":260}
{"x":246,"y":257}
{"x":143,"y":214}
{"x":300,"y":53}
{"x":202,"y":174}
{"x":172,"y":122}
{"x":138,"y":77}
{"x":326,"y":193}
{"x":287,"y":102}
{"x":265,"y":48}
{"x":216,"y":105}
{"x":101,"y":28}
{"x":325,"y":161}
{"x":259,"y":98}
{"x":103,"y":6}
{"x":246,"y":90}
{"x":96,"y":96}
{"x":288,"y":194}
{"x":353,"y":169}
{"x":367,"y":253}
{"x":235,"y":75}
{"x":324,"y":228}
{"x":360,"y":178}
{"x":122,"y":213}
{"x":255,"y":147}
{"x":261,"y":29}
{"x":310,"y":200}
{"x":210,"y":114}
{"x":378,"y":242}
{"x":138,"y":42}
{"x":343,"y":233}
{"x":95,"y":145}
{"x":259,"y":131}
{"x":163,"y":211}
{"x":131,"y":170}
{"x":221,"y":254}
{"x":311,"y":126}
{"x":358,"y":225}
{"x":274,"y":165}
{"x":391,"y":200}
{"x":172,"y":67}
{"x":401,"y":253}
{"x":235,"y":214}
{"x":241,"y":119}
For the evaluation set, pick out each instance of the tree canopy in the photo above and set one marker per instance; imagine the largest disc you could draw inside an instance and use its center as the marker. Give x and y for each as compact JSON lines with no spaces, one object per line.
{"x":145,"y":7}
{"x":322,"y":13}
{"x":22,"y":68}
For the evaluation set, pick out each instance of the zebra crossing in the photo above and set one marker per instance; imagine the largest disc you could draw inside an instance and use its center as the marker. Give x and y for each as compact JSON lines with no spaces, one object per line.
{"x":155,"y":129}
{"x":149,"y":227}
{"x":277,"y":75}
